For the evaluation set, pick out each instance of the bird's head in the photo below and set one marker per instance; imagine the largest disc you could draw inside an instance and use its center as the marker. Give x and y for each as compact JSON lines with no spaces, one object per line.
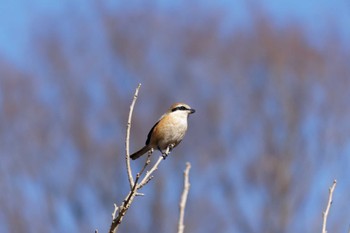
{"x":181,"y":108}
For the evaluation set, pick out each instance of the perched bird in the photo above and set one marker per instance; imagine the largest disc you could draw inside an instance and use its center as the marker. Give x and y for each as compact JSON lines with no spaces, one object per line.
{"x":168,"y":132}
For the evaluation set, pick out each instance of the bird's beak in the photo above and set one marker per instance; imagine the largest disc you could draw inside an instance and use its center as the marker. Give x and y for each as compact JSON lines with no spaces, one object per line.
{"x":192,"y":111}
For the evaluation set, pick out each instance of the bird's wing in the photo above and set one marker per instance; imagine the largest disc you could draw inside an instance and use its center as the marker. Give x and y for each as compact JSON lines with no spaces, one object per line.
{"x":150,"y":133}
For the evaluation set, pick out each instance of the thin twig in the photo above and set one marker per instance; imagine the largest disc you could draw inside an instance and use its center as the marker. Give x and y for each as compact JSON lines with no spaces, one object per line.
{"x":148,"y":175}
{"x":181,"y":226}
{"x":114,"y":214}
{"x":148,"y":161}
{"x":330,"y":201}
{"x":127,"y":152}
{"x":130,"y":197}
{"x":124,"y":208}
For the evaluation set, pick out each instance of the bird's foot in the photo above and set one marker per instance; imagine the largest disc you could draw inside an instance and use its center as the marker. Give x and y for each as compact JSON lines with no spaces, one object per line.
{"x":167,"y":151}
{"x":171,"y":146}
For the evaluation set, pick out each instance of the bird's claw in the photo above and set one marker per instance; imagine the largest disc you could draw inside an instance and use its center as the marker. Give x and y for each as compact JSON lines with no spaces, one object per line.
{"x":167,"y":151}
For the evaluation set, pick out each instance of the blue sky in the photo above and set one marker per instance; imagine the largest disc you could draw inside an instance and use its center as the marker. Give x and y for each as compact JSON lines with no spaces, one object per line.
{"x":17,"y":17}
{"x":20,"y":20}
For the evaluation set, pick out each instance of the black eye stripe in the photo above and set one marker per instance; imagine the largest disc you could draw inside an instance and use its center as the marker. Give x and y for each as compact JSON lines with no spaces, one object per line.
{"x":179,"y":108}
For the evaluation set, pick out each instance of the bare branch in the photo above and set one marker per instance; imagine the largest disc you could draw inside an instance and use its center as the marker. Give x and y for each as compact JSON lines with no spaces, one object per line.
{"x":124,"y":208}
{"x":183,"y":200}
{"x":127,"y":152}
{"x":148,"y":175}
{"x":326,"y":212}
{"x":130,"y":197}
{"x":114,"y":214}
{"x":148,"y":161}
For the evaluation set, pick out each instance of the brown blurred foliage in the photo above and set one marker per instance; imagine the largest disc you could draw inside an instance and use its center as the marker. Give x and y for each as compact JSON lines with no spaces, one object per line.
{"x":269,"y":135}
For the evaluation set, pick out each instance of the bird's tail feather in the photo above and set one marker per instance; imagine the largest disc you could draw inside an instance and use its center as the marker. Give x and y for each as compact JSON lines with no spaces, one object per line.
{"x":139,"y":153}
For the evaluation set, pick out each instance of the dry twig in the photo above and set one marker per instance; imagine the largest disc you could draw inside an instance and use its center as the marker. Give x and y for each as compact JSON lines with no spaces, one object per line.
{"x":326,"y":212}
{"x":127,"y":152}
{"x":183,"y":200}
{"x":148,"y":175}
{"x":133,"y":192}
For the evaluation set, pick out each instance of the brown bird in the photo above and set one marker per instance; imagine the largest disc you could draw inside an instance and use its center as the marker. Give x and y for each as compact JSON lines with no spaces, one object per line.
{"x":168,"y":132}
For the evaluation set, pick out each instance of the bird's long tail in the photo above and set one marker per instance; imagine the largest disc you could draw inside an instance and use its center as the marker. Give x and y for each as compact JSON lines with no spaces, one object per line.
{"x":139,"y":153}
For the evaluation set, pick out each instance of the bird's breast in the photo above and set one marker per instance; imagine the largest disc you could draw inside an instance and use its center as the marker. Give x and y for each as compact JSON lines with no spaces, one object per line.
{"x":170,"y":130}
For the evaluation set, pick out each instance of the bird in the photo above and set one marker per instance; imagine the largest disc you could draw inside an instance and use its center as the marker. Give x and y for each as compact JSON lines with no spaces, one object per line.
{"x":168,"y":131}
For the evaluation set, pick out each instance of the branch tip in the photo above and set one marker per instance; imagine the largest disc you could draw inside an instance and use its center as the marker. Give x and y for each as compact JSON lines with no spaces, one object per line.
{"x":183,"y":199}
{"x":328,"y":207}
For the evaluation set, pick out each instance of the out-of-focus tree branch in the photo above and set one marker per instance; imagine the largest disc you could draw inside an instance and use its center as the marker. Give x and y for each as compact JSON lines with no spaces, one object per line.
{"x":181,"y":226}
{"x":328,"y":207}
{"x":274,"y":99}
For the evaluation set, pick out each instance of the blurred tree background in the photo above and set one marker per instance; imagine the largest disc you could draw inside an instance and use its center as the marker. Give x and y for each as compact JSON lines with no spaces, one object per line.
{"x":270,"y":134}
